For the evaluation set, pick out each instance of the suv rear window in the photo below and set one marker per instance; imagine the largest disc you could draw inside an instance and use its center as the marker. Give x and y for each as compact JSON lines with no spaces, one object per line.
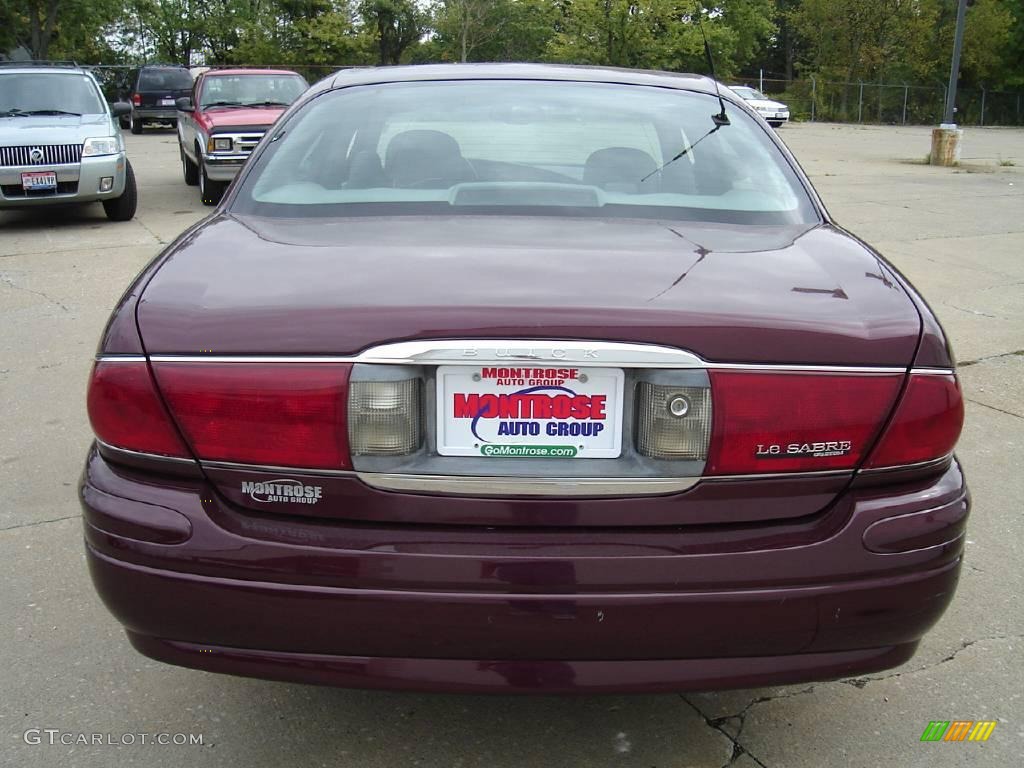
{"x":164,"y":80}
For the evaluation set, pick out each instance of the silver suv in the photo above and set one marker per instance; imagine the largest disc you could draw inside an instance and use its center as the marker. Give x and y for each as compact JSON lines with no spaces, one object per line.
{"x":60,"y":142}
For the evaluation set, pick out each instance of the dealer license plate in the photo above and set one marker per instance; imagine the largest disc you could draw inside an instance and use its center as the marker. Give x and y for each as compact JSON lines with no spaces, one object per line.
{"x":35,"y":181}
{"x":529,"y":411}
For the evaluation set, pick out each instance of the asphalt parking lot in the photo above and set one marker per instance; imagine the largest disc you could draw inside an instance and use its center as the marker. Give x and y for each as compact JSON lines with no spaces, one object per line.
{"x":957,"y":233}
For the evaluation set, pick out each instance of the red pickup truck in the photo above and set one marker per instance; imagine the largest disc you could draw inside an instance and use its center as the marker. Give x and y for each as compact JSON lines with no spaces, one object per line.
{"x":224,"y":119}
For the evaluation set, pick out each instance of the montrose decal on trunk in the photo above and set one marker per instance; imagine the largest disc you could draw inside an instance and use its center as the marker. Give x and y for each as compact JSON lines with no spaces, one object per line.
{"x":282,"y":490}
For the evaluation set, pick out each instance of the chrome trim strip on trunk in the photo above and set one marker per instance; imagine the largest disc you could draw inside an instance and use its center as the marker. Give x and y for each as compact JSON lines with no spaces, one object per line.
{"x":781,"y":475}
{"x":473,"y":485}
{"x":276,"y":469}
{"x":550,"y":352}
{"x":904,"y":467}
{"x":128,"y":453}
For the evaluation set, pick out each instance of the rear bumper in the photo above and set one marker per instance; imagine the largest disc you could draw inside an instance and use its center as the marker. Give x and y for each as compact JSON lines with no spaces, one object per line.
{"x":524,"y":676}
{"x":191,"y":589}
{"x":156,"y":114}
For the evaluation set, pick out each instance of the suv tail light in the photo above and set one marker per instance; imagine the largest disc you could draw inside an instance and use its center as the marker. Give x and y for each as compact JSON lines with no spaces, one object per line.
{"x":926,"y":425}
{"x":279,"y":414}
{"x":780,"y":422}
{"x":137,"y":99}
{"x":126,"y":412}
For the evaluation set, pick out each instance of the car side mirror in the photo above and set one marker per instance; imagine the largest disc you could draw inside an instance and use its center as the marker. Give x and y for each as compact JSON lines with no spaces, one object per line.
{"x":121,"y":108}
{"x":184,"y":104}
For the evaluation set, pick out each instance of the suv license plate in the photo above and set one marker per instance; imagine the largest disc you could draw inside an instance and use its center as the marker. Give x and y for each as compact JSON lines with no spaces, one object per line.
{"x":529,"y":411}
{"x":34,"y":181}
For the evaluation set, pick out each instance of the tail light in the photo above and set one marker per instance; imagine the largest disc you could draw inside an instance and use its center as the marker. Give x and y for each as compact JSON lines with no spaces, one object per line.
{"x":780,"y":422}
{"x":384,"y":417}
{"x":280,"y":414}
{"x":126,"y":412}
{"x":137,"y":99}
{"x":926,"y":425}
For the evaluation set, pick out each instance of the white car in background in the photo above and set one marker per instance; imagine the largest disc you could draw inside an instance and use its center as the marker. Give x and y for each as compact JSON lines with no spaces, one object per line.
{"x":775,"y":112}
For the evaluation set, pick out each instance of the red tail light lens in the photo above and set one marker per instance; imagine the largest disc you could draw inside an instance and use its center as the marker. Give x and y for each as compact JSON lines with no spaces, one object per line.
{"x":126,"y":412}
{"x":279,"y":414}
{"x":927,"y":423}
{"x":137,"y":99}
{"x":779,"y":422}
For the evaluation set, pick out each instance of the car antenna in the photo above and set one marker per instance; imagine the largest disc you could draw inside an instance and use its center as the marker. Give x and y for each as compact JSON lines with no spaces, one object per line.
{"x":721,"y":118}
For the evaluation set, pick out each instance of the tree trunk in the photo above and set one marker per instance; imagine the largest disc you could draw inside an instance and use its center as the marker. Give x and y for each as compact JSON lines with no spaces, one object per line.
{"x":465,"y":32}
{"x":41,"y":27}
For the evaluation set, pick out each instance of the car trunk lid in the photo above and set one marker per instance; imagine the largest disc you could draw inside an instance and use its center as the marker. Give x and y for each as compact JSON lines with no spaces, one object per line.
{"x":280,"y":290}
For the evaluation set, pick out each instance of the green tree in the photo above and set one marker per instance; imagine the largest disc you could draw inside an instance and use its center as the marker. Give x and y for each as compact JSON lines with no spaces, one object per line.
{"x":395,"y":24}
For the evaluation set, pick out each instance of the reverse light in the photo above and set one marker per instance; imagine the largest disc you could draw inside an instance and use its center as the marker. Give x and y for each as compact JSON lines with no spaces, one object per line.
{"x":778,"y":422}
{"x":277,"y":414}
{"x":673,"y":422}
{"x":926,"y":425}
{"x":126,"y":412}
{"x":384,"y":417}
{"x":96,"y":147}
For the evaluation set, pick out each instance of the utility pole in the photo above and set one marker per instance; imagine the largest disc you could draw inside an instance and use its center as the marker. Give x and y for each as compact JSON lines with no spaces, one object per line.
{"x":954,"y":70}
{"x":946,"y":138}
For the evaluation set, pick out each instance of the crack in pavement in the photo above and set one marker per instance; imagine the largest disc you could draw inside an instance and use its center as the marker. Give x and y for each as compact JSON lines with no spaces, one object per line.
{"x":718,"y":723}
{"x":156,"y":237}
{"x":17,"y":287}
{"x":861,"y":682}
{"x":986,"y":358}
{"x":39,"y":522}
{"x":970,"y":311}
{"x":993,"y":408}
{"x":738,"y":750}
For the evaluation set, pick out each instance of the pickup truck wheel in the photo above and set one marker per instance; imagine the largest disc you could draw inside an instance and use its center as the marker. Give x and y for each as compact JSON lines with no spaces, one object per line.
{"x":188,"y":169}
{"x":136,"y":125}
{"x":210,"y":192}
{"x":123,"y":208}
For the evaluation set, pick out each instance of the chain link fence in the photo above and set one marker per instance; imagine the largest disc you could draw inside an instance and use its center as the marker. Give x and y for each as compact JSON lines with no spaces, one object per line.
{"x":808,"y":99}
{"x":890,"y":103}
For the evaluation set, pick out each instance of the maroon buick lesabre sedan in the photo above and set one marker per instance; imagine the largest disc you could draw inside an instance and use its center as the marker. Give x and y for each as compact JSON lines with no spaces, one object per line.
{"x":524,"y":378}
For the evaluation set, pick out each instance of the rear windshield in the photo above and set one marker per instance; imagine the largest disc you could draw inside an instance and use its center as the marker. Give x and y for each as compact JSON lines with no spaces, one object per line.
{"x":164,"y":80}
{"x":251,"y":90}
{"x":515,"y":146}
{"x":50,"y":91}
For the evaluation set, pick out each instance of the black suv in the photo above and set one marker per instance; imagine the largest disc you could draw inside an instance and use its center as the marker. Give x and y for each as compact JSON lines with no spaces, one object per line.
{"x":151,"y":90}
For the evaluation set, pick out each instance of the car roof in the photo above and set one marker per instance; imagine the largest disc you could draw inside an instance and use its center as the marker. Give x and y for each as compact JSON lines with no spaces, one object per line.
{"x":64,"y":69}
{"x":215,"y":72}
{"x":495,"y":71}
